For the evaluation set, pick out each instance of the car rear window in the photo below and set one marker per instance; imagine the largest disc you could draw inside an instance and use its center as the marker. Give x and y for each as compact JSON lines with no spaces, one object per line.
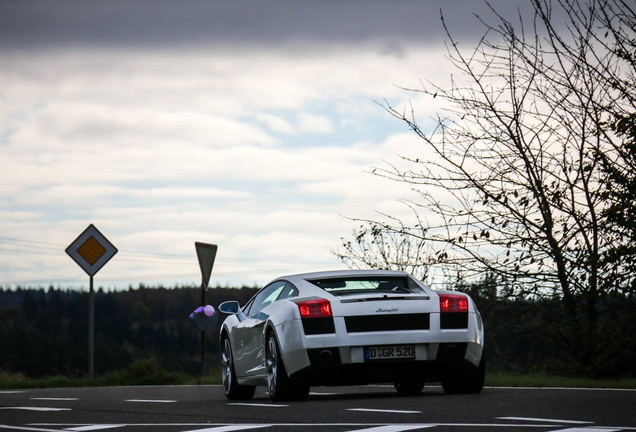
{"x":368,"y":284}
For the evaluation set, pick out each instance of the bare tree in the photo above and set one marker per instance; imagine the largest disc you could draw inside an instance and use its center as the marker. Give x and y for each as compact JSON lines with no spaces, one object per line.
{"x":620,"y":165}
{"x":516,"y":180}
{"x":376,"y":247}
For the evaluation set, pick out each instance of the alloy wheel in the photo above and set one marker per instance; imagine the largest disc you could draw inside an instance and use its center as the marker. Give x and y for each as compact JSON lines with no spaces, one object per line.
{"x":226,"y":358}
{"x":272,"y":364}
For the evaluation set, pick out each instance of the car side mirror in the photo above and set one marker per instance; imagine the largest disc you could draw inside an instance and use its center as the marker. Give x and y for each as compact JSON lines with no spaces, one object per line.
{"x":232,"y":307}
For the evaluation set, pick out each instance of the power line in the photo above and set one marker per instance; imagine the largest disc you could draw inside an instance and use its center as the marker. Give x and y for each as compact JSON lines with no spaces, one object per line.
{"x":44,"y":248}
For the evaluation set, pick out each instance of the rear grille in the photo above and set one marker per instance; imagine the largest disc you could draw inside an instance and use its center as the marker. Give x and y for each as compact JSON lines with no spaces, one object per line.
{"x":370,"y":323}
{"x":453,"y":320}
{"x":323,"y":325}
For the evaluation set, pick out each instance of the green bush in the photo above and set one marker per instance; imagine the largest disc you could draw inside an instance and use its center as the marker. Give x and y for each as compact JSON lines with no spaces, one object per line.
{"x":142,"y":372}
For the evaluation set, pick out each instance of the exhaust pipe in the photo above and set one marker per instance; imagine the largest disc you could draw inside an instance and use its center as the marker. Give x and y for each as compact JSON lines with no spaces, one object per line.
{"x":325,"y":356}
{"x":451,"y":351}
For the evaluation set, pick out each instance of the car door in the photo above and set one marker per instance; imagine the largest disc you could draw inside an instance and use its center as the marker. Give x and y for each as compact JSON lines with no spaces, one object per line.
{"x":250,"y":353}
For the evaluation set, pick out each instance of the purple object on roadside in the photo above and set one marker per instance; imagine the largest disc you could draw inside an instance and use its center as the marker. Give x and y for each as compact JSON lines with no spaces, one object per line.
{"x":204,"y":317}
{"x":197,"y":310}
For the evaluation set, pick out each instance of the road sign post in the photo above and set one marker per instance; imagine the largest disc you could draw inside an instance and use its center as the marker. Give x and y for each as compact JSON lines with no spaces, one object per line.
{"x":91,"y":250}
{"x":206,"y":253}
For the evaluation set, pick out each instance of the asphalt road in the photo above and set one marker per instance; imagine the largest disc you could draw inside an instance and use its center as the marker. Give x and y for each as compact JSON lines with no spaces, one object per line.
{"x":338,"y":409}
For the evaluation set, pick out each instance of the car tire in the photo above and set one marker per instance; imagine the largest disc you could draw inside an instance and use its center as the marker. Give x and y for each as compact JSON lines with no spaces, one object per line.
{"x":464,"y":381}
{"x":279,"y":385}
{"x":232,"y":389}
{"x":409,"y":385}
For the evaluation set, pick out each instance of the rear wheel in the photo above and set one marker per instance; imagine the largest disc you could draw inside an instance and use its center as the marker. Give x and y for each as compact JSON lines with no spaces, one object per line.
{"x":279,"y":385}
{"x":465,"y":380}
{"x":232,"y":389}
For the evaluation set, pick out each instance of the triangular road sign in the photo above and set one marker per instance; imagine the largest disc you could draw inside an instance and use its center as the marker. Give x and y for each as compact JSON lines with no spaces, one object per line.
{"x":205,"y":253}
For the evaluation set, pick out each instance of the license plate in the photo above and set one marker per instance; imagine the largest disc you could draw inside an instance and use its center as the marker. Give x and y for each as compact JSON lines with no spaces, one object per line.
{"x":389,"y":352}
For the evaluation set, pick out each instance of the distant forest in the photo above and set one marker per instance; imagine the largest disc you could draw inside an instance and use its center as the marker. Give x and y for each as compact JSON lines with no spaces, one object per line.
{"x":44,"y":332}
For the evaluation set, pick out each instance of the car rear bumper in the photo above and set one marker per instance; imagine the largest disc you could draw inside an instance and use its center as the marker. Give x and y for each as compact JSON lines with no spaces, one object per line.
{"x":333,"y":365}
{"x":320,"y":345}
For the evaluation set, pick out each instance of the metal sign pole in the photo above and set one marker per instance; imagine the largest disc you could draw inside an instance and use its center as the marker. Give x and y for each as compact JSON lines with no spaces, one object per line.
{"x":206,"y":253}
{"x":91,"y":250}
{"x":202,"y":335}
{"x":91,"y":328}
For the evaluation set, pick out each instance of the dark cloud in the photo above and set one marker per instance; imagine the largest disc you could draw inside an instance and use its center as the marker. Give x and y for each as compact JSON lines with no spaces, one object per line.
{"x":163,"y":23}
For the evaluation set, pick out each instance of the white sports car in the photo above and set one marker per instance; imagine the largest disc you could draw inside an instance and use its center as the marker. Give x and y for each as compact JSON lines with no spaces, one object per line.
{"x":351,"y":327}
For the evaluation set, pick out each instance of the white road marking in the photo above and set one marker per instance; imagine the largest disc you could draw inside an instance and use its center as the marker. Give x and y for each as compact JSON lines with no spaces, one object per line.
{"x":26,"y":428}
{"x":230,"y":428}
{"x":35,"y":408}
{"x":257,"y":404}
{"x":94,"y":427}
{"x":375,"y":427}
{"x":500,"y":425}
{"x":322,"y":394}
{"x":588,"y":429}
{"x":394,"y":428}
{"x":384,"y":410}
{"x":544,"y":420}
{"x":150,"y":400}
{"x":560,"y":388}
{"x":12,"y":391}
{"x":54,"y":399}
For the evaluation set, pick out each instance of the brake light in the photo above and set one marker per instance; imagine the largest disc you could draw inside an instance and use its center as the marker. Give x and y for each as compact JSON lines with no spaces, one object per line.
{"x":453,"y":303}
{"x":319,"y":308}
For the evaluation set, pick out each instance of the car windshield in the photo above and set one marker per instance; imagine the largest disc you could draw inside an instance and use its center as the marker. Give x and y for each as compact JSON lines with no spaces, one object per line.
{"x":368,"y":284}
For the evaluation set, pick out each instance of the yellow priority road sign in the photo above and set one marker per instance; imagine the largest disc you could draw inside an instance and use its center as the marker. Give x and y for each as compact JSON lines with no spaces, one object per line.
{"x":91,"y":250}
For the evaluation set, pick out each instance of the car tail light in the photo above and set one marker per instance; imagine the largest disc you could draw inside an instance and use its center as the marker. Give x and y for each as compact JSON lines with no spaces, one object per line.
{"x":453,"y":303}
{"x":319,"y":308}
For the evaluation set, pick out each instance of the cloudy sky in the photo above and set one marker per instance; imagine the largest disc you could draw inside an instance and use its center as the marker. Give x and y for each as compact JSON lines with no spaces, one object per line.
{"x":253,"y":125}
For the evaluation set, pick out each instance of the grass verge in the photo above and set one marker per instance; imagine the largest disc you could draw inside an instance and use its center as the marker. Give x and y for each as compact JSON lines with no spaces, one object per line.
{"x":141,"y":372}
{"x":511,"y":379}
{"x":151,"y":372}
